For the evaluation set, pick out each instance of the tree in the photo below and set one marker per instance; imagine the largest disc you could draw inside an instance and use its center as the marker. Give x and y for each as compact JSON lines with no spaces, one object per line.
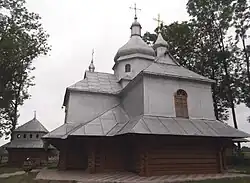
{"x":241,"y":23}
{"x":22,"y":39}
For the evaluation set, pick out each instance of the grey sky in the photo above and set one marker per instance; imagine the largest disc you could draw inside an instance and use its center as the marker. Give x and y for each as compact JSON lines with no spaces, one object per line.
{"x":77,"y":26}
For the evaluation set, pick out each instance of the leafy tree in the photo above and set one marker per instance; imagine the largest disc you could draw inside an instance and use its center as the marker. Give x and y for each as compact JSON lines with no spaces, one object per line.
{"x":22,"y":39}
{"x":241,"y":23}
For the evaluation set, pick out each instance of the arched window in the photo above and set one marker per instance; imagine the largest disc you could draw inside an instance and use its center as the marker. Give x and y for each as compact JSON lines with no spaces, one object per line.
{"x":37,"y":136}
{"x":181,"y":108}
{"x":24,"y":136}
{"x":31,"y":136}
{"x":127,"y":68}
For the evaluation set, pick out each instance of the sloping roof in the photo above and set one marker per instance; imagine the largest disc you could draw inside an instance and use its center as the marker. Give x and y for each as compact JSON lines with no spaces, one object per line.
{"x":240,"y":140}
{"x":32,"y":126}
{"x":116,"y":122}
{"x":175,"y":71}
{"x":29,"y":144}
{"x":182,"y":127}
{"x":108,"y":124}
{"x":97,"y":82}
{"x":61,"y":131}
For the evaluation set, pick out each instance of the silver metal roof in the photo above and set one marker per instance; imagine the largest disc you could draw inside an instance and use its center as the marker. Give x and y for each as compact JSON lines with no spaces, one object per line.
{"x":30,"y":144}
{"x":116,"y":122}
{"x":175,"y":71}
{"x":160,"y":42}
{"x":61,"y":131}
{"x":182,"y":127}
{"x":32,"y":126}
{"x":107,"y":124}
{"x":135,"y":46}
{"x":98,"y":82}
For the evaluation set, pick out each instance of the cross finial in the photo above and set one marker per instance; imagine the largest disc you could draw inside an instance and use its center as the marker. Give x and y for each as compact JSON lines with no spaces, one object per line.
{"x":159,"y":21}
{"x":135,"y":9}
{"x":34,"y":114}
{"x":92,"y":55}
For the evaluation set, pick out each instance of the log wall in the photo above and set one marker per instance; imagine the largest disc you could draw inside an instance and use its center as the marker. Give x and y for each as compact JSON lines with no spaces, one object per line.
{"x":16,"y":157}
{"x":145,"y":155}
{"x":184,"y":160}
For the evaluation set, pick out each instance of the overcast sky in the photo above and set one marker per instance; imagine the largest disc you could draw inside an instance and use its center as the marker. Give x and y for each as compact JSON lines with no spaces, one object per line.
{"x":77,"y":26}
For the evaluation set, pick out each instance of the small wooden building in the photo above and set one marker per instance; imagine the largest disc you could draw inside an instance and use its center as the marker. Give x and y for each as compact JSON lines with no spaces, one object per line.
{"x":151,"y":117}
{"x":27,"y":143}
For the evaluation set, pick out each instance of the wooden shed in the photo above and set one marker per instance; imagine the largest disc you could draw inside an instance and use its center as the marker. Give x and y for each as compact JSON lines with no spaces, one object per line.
{"x":27,"y":143}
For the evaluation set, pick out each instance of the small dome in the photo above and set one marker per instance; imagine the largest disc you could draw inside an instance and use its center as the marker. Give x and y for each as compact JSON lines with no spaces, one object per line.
{"x":91,"y":67}
{"x":135,"y":23}
{"x":133,"y":46}
{"x":160,"y":42}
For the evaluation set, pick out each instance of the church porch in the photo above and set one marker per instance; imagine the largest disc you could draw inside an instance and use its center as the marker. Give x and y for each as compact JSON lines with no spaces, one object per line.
{"x":146,"y":155}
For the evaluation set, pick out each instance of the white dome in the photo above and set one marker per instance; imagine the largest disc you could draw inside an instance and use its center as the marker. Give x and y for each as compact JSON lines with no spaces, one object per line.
{"x":135,"y":45}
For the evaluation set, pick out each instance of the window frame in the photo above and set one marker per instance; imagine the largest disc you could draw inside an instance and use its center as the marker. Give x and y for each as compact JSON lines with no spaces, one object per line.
{"x":181,"y":104}
{"x":127,"y":68}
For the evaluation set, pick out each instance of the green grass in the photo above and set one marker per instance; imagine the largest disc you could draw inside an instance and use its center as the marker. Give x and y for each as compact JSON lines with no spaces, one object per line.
{"x":4,"y":169}
{"x":29,"y":178}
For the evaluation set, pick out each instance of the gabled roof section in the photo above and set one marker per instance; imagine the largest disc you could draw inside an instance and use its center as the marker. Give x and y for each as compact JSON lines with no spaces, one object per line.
{"x":97,"y":82}
{"x":107,"y":124}
{"x":32,"y":126}
{"x":174,"y":71}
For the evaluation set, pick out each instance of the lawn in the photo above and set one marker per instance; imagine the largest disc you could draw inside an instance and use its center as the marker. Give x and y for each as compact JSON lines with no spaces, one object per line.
{"x":4,"y":169}
{"x":29,"y":178}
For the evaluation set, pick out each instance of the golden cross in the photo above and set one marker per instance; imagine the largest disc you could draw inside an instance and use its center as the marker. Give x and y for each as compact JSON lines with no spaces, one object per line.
{"x":160,"y":22}
{"x":135,"y":9}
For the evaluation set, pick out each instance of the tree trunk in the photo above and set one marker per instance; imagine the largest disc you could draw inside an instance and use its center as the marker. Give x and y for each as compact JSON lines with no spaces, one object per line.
{"x":246,"y":57}
{"x":15,"y":116}
{"x":214,"y":98}
{"x":230,"y":93}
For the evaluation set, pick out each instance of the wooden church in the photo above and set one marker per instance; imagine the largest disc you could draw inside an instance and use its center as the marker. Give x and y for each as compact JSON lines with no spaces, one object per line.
{"x":151,"y":117}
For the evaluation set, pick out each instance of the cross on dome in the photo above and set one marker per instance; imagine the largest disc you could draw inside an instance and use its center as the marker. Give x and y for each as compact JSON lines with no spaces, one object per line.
{"x":34,"y":114}
{"x":91,"y":66}
{"x":135,"y":9}
{"x":160,"y":23}
{"x":92,"y":55}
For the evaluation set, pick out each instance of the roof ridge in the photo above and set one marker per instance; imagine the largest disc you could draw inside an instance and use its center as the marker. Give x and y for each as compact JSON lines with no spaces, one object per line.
{"x":140,"y":116}
{"x":100,"y":73}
